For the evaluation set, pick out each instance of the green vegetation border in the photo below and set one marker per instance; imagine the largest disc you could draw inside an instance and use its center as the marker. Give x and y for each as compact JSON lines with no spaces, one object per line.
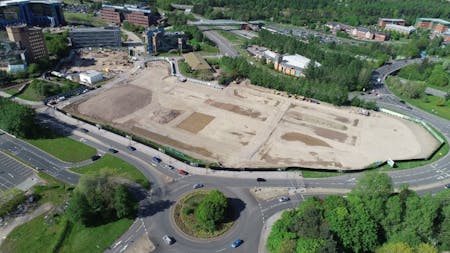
{"x":193,"y":232}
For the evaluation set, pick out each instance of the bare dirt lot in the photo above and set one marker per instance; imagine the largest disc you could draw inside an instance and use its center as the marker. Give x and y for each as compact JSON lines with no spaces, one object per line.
{"x":249,"y":126}
{"x":112,"y":60}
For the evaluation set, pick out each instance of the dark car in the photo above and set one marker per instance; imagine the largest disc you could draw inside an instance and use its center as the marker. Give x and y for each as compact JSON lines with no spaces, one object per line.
{"x":260,"y":179}
{"x":112,"y":150}
{"x":197,"y":186}
{"x":95,"y":157}
{"x":237,"y":243}
{"x":402,"y":101}
{"x":156,"y":160}
{"x":447,"y":186}
{"x":131,"y":148}
{"x":84,"y":130}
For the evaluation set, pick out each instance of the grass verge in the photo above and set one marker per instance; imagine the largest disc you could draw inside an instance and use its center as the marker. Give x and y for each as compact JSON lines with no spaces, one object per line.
{"x":116,"y":167}
{"x":187,"y":222}
{"x":430,"y":104}
{"x":64,"y":148}
{"x":83,"y":18}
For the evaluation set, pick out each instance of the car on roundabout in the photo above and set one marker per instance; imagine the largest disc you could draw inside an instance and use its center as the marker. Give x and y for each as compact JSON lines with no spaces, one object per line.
{"x":237,"y":243}
{"x":197,"y":186}
{"x":168,"y":239}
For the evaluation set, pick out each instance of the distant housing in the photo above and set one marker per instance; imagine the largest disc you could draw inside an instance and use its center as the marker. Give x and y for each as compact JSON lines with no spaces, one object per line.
{"x":361,"y":33}
{"x":95,"y":37}
{"x":12,"y":58}
{"x":433,"y":24}
{"x":293,"y":65}
{"x":407,"y":30}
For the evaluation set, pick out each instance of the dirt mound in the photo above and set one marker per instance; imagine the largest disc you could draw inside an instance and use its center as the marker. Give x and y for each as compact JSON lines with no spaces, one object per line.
{"x":124,"y":100}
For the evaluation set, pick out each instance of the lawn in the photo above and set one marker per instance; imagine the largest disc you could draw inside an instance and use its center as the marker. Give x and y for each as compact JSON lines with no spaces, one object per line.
{"x":93,"y":239}
{"x":116,"y":167}
{"x":233,"y":38}
{"x":186,"y":221}
{"x":83,"y":18}
{"x":64,"y":148}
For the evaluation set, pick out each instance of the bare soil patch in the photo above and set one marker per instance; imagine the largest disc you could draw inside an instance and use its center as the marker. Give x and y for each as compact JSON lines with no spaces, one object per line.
{"x":116,"y":103}
{"x":235,"y":108}
{"x":195,"y":122}
{"x":308,"y":140}
{"x":164,"y":115}
{"x":331,"y":134}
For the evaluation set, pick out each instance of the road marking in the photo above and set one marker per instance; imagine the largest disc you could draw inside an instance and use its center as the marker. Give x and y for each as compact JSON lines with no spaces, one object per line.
{"x":221,"y":250}
{"x":117,"y":244}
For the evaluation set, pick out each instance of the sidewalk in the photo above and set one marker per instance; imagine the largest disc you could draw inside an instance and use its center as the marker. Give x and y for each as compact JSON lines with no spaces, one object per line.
{"x":265,"y":232}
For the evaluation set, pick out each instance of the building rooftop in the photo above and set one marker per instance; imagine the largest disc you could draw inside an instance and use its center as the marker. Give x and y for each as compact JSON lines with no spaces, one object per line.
{"x":409,"y":29}
{"x":297,"y":61}
{"x":127,"y":8}
{"x":436,"y":20}
{"x":271,"y":54}
{"x":196,"y":62}
{"x":392,"y":19}
{"x":91,"y":73}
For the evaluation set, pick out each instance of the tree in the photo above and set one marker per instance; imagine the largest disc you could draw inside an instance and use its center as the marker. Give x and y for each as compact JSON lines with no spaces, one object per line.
{"x":438,"y":76}
{"x":33,"y":69}
{"x":78,"y":208}
{"x":426,"y":248}
{"x":399,"y":247}
{"x":17,"y":119}
{"x":122,"y":202}
{"x":211,"y":210}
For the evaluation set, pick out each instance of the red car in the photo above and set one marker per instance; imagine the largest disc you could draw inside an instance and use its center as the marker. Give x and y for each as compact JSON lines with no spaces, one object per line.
{"x":182,"y":172}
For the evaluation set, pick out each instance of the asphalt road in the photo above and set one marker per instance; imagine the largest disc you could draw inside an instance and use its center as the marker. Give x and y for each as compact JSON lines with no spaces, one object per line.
{"x":224,"y":45}
{"x":12,"y":172}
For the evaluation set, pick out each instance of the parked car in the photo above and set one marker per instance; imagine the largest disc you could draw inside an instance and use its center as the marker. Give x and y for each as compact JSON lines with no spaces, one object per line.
{"x":167,"y":239}
{"x":284,"y":199}
{"x":182,"y":172}
{"x":131,"y":148}
{"x":447,"y":186}
{"x":112,"y":150}
{"x":260,"y":179}
{"x":170,"y":167}
{"x":84,"y":130}
{"x":237,"y":243}
{"x":197,"y":186}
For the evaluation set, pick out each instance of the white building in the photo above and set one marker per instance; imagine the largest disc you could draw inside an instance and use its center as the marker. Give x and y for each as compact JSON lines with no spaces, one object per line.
{"x":91,"y":77}
{"x":400,"y":29}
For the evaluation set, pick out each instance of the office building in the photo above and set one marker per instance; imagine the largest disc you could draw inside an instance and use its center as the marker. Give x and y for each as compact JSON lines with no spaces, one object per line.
{"x":135,"y":14}
{"x":158,"y":40}
{"x":30,"y":39}
{"x":95,"y":37}
{"x":382,"y":22}
{"x":31,"y":12}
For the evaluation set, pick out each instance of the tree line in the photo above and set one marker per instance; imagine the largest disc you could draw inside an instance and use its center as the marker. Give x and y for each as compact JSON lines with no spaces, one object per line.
{"x":371,"y":218}
{"x":310,"y":12}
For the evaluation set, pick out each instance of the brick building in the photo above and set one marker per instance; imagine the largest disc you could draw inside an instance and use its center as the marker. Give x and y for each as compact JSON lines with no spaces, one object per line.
{"x":110,"y":15}
{"x":382,"y":22}
{"x":433,"y":24}
{"x":137,"y":15}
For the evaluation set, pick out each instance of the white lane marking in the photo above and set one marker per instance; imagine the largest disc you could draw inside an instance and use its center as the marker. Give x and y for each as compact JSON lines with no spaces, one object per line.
{"x":221,"y":250}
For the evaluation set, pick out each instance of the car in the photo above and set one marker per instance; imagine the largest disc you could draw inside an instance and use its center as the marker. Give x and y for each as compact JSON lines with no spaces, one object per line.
{"x":112,"y":150}
{"x":182,"y":172}
{"x":260,"y":179}
{"x":95,"y":157}
{"x":197,"y":186}
{"x":284,"y":199}
{"x":402,"y":101}
{"x":409,"y":107}
{"x":131,"y":148}
{"x":237,"y":243}
{"x":167,"y":239}
{"x":156,"y":160}
{"x":170,"y":167}
{"x":447,"y":186}
{"x":84,"y":130}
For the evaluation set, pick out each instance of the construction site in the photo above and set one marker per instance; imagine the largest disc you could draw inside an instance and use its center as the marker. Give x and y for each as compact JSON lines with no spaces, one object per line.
{"x":103,"y":60}
{"x":246,"y":126}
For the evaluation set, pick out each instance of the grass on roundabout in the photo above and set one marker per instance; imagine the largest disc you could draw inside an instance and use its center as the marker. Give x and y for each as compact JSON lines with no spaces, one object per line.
{"x":186,"y":221}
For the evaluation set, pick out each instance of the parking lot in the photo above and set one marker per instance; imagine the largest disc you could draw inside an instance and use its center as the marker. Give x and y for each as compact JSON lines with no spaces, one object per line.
{"x":15,"y":174}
